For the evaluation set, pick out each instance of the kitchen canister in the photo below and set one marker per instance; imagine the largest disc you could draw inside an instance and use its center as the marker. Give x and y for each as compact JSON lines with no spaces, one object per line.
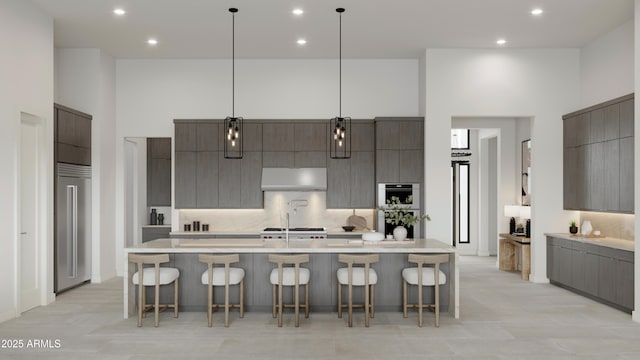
{"x":160,"y":219}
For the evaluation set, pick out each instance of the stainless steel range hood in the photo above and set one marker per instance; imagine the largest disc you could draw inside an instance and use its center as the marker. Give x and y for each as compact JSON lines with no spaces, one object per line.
{"x":294,"y":179}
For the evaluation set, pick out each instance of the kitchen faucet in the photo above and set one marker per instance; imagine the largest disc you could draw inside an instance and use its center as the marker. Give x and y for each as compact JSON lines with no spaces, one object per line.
{"x":286,"y":231}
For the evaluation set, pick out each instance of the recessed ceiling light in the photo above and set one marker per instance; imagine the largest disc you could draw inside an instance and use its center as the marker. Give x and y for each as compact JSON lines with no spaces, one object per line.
{"x":501,"y":41}
{"x":536,"y":11}
{"x":298,"y":11}
{"x":119,"y":11}
{"x":301,"y":41}
{"x":152,"y":42}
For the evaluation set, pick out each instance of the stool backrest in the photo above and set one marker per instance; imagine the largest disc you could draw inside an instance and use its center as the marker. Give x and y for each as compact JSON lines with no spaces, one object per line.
{"x":435,"y":260}
{"x":428,"y":259}
{"x":294,"y":260}
{"x":140,"y":260}
{"x":365,"y":260}
{"x":212,"y":260}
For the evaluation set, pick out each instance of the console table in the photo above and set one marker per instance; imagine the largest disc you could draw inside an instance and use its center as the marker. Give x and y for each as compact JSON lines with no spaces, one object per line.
{"x":515,"y":254}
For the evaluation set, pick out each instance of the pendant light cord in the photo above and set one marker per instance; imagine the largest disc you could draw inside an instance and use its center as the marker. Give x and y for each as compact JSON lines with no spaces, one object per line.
{"x":340,"y":68}
{"x":233,"y":64}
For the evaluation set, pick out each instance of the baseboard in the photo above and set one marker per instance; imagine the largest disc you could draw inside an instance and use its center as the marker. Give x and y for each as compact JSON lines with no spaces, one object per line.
{"x":635,"y":316}
{"x":99,"y":279}
{"x":484,"y":253}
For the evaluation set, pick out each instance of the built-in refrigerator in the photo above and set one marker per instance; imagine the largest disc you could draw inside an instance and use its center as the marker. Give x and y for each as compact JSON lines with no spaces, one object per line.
{"x":73,"y":226}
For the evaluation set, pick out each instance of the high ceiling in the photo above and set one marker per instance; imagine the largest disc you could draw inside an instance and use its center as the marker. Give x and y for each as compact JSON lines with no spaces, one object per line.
{"x":370,"y":28}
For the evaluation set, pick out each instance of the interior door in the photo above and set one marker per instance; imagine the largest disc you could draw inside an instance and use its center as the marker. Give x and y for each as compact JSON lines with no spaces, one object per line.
{"x":30,"y":287}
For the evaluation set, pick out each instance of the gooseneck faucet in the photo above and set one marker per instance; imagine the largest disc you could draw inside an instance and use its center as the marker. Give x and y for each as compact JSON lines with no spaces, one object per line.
{"x":286,"y":231}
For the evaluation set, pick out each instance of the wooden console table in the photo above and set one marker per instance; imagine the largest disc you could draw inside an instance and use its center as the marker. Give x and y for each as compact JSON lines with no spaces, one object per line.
{"x":515,"y":254}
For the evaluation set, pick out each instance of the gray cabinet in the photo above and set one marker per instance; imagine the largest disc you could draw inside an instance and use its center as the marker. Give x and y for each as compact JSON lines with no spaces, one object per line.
{"x":597,"y":171}
{"x":229,"y":182}
{"x":626,"y":174}
{"x":599,"y":272}
{"x":277,"y":137}
{"x":72,"y":136}
{"x":350,"y":182}
{"x":626,"y":118}
{"x":252,"y":133}
{"x":185,"y":180}
{"x":251,"y":195}
{"x":153,"y":233}
{"x":159,"y":172}
{"x":310,"y":159}
{"x":208,"y":136}
{"x":207,"y":179}
{"x":185,"y":136}
{"x":310,"y":136}
{"x":399,"y":150}
{"x":278,"y":159}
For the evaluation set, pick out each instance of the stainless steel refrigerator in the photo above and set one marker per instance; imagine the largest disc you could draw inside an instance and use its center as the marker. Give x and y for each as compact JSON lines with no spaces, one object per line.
{"x":73,"y":226}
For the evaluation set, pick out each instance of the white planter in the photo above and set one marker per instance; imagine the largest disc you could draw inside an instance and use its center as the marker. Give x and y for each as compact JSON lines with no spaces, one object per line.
{"x":586,"y":228}
{"x":399,"y":233}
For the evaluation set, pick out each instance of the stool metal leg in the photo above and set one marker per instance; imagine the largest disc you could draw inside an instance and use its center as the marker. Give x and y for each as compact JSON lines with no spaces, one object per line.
{"x":297,"y":304}
{"x":373,"y":308}
{"x":226,"y":304}
{"x":157,"y":302}
{"x":210,"y":304}
{"x":273,"y":301}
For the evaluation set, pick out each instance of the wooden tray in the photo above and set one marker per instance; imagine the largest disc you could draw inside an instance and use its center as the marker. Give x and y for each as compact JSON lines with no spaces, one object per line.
{"x":590,"y":236}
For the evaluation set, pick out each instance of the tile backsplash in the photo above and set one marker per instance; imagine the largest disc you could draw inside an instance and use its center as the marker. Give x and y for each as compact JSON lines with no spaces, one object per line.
{"x":619,"y":226}
{"x":305,"y":208}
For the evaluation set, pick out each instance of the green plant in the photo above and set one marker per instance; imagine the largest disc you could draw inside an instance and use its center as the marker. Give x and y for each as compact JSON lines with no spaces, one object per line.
{"x":397,"y":214}
{"x":573,"y":223}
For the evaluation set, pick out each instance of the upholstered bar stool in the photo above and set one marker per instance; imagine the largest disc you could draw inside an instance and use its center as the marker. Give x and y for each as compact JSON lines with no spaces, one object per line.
{"x":289,"y":276}
{"x":357,"y":276}
{"x":427,"y":276}
{"x":222,"y":276}
{"x":154,"y":276}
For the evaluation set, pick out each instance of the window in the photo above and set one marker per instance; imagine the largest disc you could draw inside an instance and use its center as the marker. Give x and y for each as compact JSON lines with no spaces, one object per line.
{"x":460,"y":139}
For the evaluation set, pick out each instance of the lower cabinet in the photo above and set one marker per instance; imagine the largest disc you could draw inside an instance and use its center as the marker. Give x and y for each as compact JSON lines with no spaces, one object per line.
{"x":153,"y":233}
{"x":599,"y":272}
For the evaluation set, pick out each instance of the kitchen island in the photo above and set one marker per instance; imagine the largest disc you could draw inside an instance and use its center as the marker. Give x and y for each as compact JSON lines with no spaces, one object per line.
{"x":323,"y":265}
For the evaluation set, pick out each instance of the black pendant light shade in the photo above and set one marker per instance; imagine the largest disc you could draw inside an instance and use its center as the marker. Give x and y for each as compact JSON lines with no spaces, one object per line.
{"x":232,"y":130}
{"x":340,"y":127}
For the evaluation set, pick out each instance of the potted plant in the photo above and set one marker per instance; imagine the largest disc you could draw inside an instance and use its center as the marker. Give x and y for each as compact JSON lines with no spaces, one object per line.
{"x":573,"y":228}
{"x":397,"y":214}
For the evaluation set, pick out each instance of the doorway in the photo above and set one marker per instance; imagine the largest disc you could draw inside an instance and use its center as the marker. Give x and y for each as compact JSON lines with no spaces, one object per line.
{"x":30,"y":214}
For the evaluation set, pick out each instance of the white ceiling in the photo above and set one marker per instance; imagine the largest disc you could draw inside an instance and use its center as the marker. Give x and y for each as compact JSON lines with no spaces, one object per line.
{"x":371,"y":28}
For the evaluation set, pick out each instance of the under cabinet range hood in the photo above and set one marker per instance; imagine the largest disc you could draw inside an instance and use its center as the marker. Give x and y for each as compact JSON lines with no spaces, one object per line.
{"x":294,"y":179}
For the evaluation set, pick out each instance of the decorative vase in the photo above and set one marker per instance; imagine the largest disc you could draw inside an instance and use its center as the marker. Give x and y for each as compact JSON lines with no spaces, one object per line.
{"x":399,"y":233}
{"x":153,"y":220}
{"x":573,"y":229}
{"x":586,"y":228}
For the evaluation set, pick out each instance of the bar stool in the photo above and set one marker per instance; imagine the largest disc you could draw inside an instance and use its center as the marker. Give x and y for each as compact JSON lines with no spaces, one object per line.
{"x":289,"y":276}
{"x":427,"y":277}
{"x":154,"y":276}
{"x":357,"y":276}
{"x":222,"y":276}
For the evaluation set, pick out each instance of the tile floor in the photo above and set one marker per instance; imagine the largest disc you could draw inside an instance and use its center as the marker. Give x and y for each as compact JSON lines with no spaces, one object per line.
{"x":502,"y":317}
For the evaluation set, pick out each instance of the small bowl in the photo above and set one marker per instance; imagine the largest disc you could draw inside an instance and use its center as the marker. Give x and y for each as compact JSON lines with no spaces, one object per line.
{"x":348,"y":228}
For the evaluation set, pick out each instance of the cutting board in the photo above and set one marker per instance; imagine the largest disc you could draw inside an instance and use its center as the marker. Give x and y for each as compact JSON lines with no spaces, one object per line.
{"x":359,"y":222}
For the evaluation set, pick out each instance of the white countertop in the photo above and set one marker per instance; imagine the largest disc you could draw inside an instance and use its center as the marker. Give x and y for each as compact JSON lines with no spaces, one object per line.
{"x":236,"y":245}
{"x":249,"y":233}
{"x":615,"y":243}
{"x":157,"y":226}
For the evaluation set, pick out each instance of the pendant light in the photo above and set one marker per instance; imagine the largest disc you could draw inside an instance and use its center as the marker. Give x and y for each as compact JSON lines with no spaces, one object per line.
{"x":233,"y":138}
{"x":340,"y":127}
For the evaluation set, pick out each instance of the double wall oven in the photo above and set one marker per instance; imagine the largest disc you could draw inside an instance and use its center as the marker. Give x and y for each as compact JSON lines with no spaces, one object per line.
{"x":407,"y":196}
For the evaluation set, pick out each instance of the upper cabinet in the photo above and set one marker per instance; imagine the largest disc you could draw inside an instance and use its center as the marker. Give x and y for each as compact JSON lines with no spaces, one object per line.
{"x":351,"y":182}
{"x":159,"y":172}
{"x":204,"y":179}
{"x":72,"y":136}
{"x":598,"y":157}
{"x":399,"y":150}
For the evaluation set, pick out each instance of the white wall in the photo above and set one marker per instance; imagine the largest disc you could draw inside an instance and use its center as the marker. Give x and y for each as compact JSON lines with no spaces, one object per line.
{"x":636,"y":43}
{"x":542,"y":84}
{"x":607,"y":65}
{"x":85,"y":81}
{"x":151,"y":93}
{"x":26,"y":54}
